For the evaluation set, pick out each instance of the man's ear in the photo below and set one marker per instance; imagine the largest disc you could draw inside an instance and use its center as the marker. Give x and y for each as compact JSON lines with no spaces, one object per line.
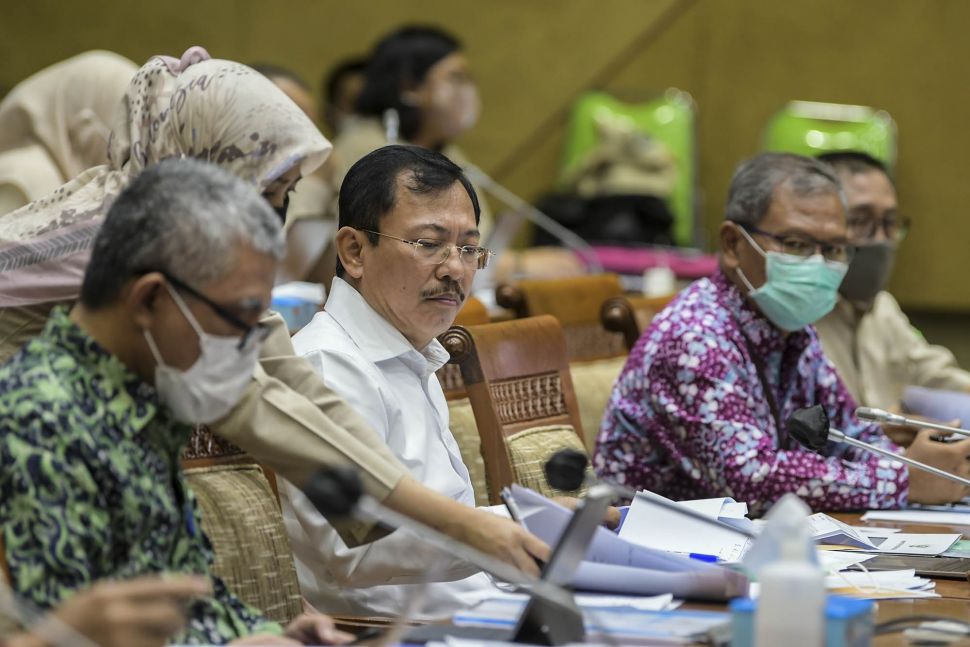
{"x":350,"y":247}
{"x":141,"y":298}
{"x":730,"y":239}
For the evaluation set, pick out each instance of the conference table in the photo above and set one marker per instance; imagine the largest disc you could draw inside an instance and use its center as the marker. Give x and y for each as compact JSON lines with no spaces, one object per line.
{"x":953,"y":603}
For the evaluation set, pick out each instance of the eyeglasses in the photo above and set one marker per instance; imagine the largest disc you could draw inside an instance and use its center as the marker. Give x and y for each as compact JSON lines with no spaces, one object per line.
{"x":862,"y":227}
{"x":436,"y":252}
{"x":250,"y":334}
{"x":805,"y":246}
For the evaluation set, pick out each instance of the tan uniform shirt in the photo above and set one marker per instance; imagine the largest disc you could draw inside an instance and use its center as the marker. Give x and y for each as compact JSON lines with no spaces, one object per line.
{"x":879,"y":353}
{"x":290,"y":421}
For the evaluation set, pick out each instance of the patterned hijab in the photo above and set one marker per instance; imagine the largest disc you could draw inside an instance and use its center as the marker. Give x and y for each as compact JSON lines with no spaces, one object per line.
{"x":210,"y":109}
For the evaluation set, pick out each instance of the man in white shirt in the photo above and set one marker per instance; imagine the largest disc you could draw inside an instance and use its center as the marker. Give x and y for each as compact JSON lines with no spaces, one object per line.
{"x":408,"y":248}
{"x":871,"y":342}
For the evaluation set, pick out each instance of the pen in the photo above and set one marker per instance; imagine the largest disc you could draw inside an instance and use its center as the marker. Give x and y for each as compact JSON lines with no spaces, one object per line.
{"x":701,"y":557}
{"x":511,"y":506}
{"x":506,"y":495}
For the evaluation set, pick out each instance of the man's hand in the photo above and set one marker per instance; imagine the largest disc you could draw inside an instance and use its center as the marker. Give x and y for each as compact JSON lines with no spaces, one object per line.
{"x":317,"y":629}
{"x":143,"y":612}
{"x":951,"y":457}
{"x":499,"y":537}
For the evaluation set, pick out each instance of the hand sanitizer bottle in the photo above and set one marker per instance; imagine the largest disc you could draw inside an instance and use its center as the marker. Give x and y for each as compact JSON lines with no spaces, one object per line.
{"x":791,"y":602}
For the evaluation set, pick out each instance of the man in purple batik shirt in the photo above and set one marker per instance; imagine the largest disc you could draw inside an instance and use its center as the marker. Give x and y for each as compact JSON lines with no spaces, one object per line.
{"x":699,"y":409}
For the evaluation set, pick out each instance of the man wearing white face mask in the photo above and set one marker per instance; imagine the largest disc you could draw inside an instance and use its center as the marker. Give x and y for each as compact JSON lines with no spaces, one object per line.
{"x":700,"y":408}
{"x":94,"y":411}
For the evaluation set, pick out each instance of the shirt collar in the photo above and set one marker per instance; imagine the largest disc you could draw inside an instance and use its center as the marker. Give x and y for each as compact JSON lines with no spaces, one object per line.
{"x":763,"y":335}
{"x":137,"y":401}
{"x":377,"y":339}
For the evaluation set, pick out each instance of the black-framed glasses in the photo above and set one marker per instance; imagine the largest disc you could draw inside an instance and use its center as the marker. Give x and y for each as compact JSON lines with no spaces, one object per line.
{"x":435,"y":252}
{"x":894,"y":227}
{"x":250,"y":334}
{"x":805,"y":246}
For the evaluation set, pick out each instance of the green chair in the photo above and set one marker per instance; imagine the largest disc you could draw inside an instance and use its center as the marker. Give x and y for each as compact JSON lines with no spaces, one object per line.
{"x":811,"y":128}
{"x":668,"y":118}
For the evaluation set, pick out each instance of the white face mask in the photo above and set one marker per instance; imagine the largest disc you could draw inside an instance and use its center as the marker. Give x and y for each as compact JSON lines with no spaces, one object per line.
{"x":457,"y":105}
{"x":214,"y":383}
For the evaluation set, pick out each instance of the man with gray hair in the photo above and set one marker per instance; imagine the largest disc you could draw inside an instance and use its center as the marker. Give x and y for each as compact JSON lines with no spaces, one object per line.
{"x":95,"y":412}
{"x":700,"y":407}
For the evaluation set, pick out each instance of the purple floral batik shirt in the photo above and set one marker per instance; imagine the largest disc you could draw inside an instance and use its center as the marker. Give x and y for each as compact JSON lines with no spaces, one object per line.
{"x":689,"y":417}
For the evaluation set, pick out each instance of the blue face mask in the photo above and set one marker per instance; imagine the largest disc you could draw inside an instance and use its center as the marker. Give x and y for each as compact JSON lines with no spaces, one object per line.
{"x":798,"y":291}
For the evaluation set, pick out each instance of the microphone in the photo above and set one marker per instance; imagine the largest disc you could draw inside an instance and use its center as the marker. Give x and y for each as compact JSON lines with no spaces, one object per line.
{"x":566,"y":470}
{"x":565,"y":235}
{"x":878,"y":415}
{"x":337,"y":492}
{"x":810,"y":427}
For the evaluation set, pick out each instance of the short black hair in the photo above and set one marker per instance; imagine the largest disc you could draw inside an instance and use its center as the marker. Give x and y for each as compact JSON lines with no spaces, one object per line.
{"x":336,"y":75}
{"x":401,"y":60}
{"x":369,"y":189}
{"x":855,"y":162}
{"x":272,"y":71}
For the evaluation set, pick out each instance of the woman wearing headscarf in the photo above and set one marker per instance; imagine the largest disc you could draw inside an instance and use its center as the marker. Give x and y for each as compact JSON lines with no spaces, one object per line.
{"x":209,"y":109}
{"x":55,"y":124}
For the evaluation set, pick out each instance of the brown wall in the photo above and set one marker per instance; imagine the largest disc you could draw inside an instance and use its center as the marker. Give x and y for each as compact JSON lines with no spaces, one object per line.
{"x":741,"y":60}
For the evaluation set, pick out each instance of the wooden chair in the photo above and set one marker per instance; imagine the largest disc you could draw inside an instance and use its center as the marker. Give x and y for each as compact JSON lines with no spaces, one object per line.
{"x":472,"y":313}
{"x":241,"y":515}
{"x":462,"y":420}
{"x":630,"y":315}
{"x":596,"y":354}
{"x":576,"y":303}
{"x":521,"y":392}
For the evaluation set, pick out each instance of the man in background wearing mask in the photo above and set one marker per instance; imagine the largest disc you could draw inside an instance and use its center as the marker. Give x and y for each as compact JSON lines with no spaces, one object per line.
{"x":700,"y":408}
{"x":94,"y":412}
{"x":868,"y":338}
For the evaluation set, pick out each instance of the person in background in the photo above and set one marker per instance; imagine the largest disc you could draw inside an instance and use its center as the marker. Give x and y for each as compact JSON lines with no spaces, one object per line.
{"x":341,"y":86}
{"x":418,"y":89}
{"x":700,"y":408}
{"x":56,"y":123}
{"x":226,"y":113}
{"x":876,"y":350}
{"x":96,"y":411}
{"x":287,"y":419}
{"x":310,"y":209}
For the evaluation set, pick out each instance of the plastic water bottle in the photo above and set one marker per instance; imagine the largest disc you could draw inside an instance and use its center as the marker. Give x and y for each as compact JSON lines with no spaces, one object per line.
{"x":791,"y":604}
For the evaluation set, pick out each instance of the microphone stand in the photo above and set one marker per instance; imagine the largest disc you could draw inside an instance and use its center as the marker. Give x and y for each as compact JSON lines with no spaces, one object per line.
{"x":810,"y":427}
{"x":885,"y":417}
{"x":568,"y":237}
{"x":839,"y":437}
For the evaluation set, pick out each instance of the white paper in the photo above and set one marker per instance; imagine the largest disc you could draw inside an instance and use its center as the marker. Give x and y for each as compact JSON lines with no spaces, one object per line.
{"x":833,"y":561}
{"x":828,"y":530}
{"x":656,"y":527}
{"x":615,"y":565}
{"x":905,"y":543}
{"x":871,"y":531}
{"x":919,"y":516}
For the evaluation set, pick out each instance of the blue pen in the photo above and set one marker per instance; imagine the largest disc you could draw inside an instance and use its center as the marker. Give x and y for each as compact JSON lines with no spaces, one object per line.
{"x":701,"y":557}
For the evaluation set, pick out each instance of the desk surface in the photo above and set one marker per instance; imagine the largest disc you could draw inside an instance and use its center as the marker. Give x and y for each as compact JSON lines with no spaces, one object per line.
{"x":954,"y":603}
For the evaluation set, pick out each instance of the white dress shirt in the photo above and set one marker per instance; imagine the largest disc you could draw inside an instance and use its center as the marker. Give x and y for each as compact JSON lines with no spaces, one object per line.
{"x":393,"y":386}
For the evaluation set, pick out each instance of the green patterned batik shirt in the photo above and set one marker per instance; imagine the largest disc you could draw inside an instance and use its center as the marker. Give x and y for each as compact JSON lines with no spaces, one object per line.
{"x":90,"y":484}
